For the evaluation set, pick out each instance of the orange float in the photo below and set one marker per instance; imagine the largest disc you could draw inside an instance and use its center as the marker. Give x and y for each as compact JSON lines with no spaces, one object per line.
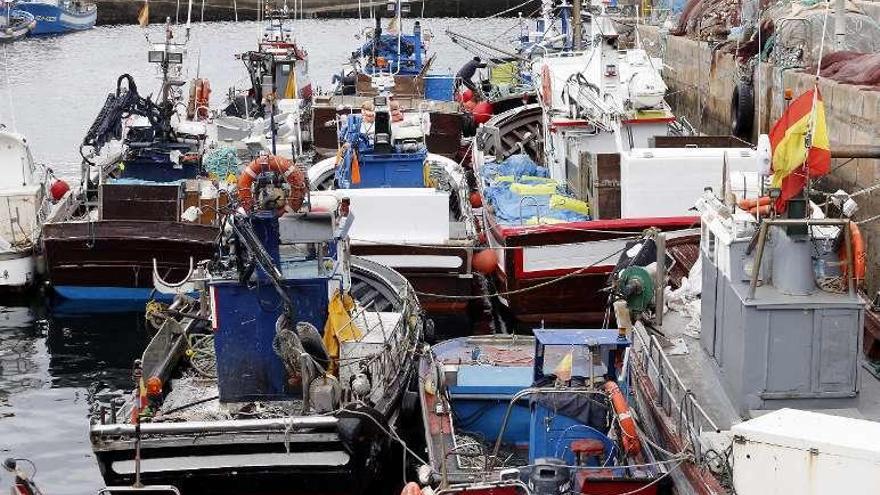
{"x":485,"y":262}
{"x":629,"y":435}
{"x":749,"y":203}
{"x":858,"y":252}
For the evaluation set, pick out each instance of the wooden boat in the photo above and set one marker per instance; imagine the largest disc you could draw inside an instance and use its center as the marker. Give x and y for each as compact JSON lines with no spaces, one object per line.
{"x":150,"y":203}
{"x":252,"y":122}
{"x":587,"y":176}
{"x":543,"y":414}
{"x":391,"y":60}
{"x":242,"y":380}
{"x":414,"y":213}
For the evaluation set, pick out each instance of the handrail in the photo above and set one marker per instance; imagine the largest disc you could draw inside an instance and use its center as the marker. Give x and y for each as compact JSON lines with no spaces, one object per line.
{"x":674,"y":397}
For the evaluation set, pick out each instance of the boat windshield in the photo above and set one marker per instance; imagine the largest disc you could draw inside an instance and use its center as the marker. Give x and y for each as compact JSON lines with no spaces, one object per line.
{"x":567,"y":361}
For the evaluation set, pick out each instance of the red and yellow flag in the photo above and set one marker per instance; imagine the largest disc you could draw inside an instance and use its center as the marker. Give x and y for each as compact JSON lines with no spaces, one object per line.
{"x":793,"y":158}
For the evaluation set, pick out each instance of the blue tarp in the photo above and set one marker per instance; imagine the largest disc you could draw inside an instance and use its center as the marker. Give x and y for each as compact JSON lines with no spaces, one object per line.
{"x":511,"y":208}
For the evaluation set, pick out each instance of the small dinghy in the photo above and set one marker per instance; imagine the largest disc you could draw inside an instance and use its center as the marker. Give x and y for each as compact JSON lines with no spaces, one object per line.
{"x":16,"y":24}
{"x":291,"y":367}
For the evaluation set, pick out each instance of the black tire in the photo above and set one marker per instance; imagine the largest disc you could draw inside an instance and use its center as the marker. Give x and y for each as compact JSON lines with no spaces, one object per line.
{"x":742,"y":111}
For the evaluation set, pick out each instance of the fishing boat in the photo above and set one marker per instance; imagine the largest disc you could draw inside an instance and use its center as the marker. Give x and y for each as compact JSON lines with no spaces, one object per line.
{"x":401,"y":61}
{"x":60,"y":16}
{"x":533,"y":414}
{"x":273,"y":115}
{"x":16,"y":24}
{"x":241,"y":379}
{"x":147,"y":202}
{"x":414,"y":212}
{"x":31,"y":195}
{"x":565,"y":181}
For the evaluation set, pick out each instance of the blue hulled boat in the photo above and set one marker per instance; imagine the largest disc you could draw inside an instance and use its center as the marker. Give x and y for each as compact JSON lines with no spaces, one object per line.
{"x":60,"y":16}
{"x":521,"y":415}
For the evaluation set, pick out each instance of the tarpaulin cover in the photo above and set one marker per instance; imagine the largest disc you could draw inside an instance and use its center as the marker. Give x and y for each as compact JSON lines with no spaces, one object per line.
{"x":521,"y":173}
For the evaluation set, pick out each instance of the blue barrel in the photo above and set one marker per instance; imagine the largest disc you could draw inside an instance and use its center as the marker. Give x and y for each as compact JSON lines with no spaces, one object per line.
{"x":439,"y":87}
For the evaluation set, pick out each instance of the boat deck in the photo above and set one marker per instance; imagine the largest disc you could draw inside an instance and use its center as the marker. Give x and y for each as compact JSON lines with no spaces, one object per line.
{"x":696,"y":369}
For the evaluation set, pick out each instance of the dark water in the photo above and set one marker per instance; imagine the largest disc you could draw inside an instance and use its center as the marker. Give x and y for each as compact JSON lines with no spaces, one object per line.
{"x":50,"y":90}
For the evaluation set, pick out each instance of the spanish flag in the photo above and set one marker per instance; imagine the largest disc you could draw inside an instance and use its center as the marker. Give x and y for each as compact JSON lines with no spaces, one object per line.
{"x":795,"y":159}
{"x":144,"y":14}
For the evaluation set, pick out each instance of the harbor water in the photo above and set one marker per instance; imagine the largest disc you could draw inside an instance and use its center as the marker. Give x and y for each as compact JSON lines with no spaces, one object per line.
{"x":50,"y":90}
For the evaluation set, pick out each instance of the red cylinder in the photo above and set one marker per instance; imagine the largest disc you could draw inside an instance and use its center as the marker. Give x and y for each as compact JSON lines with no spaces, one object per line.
{"x":485,"y":262}
{"x":466,"y":95}
{"x":58,"y":189}
{"x":482,"y":112}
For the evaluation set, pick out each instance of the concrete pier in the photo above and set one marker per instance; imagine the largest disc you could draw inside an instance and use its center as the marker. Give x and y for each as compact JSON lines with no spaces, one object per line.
{"x":701,"y":83}
{"x":126,"y":11}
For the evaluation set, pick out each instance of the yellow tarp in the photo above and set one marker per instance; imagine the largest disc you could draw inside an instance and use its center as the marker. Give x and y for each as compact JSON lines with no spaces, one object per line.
{"x":503,"y":73}
{"x":339,"y":328}
{"x":559,"y":202}
{"x":533,"y":189}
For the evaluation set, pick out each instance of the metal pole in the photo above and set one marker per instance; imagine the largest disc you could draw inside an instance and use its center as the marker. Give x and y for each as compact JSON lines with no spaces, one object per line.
{"x":839,"y":24}
{"x":660,"y":285}
{"x":577,"y":43}
{"x":756,"y":266}
{"x":850,"y":265}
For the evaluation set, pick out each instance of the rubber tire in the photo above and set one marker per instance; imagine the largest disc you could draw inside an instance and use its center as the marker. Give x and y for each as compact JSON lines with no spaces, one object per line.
{"x":742,"y":111}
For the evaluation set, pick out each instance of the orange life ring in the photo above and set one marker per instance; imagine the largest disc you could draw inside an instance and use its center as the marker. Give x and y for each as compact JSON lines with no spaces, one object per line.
{"x":629,"y":435}
{"x":291,"y":173}
{"x":858,"y":252}
{"x":546,"y":86}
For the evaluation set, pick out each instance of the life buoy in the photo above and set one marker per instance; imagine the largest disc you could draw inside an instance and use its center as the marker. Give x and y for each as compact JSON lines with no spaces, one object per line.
{"x":858,"y":253}
{"x":282,"y":166}
{"x":629,"y":435}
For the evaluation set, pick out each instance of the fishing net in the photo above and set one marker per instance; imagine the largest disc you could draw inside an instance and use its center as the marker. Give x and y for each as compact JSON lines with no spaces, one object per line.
{"x":222,"y":162}
{"x":849,"y":67}
{"x":790,"y":32}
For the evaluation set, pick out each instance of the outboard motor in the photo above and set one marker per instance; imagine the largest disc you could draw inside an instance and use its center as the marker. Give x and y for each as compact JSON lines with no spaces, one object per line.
{"x":549,"y":476}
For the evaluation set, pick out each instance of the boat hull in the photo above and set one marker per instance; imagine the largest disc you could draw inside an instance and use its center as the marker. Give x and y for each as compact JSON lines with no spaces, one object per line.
{"x":52,"y":19}
{"x":113,"y":259}
{"x":316,"y":459}
{"x":556,"y":274}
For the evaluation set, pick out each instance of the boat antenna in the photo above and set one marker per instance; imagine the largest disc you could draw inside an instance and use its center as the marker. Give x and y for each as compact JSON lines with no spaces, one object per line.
{"x":9,"y":86}
{"x":189,"y":12}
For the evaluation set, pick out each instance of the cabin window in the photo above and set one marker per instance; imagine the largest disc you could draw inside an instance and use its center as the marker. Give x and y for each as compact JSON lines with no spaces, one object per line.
{"x":566,"y":361}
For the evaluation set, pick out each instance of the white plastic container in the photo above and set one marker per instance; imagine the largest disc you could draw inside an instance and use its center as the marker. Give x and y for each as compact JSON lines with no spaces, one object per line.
{"x":790,"y":451}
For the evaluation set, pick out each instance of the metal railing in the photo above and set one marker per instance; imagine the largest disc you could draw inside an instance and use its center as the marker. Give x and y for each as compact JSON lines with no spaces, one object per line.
{"x":685,"y":417}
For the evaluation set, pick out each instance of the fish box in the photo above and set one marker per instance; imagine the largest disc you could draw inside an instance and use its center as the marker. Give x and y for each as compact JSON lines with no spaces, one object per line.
{"x":793,"y":451}
{"x":439,"y":87}
{"x":392,"y":170}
